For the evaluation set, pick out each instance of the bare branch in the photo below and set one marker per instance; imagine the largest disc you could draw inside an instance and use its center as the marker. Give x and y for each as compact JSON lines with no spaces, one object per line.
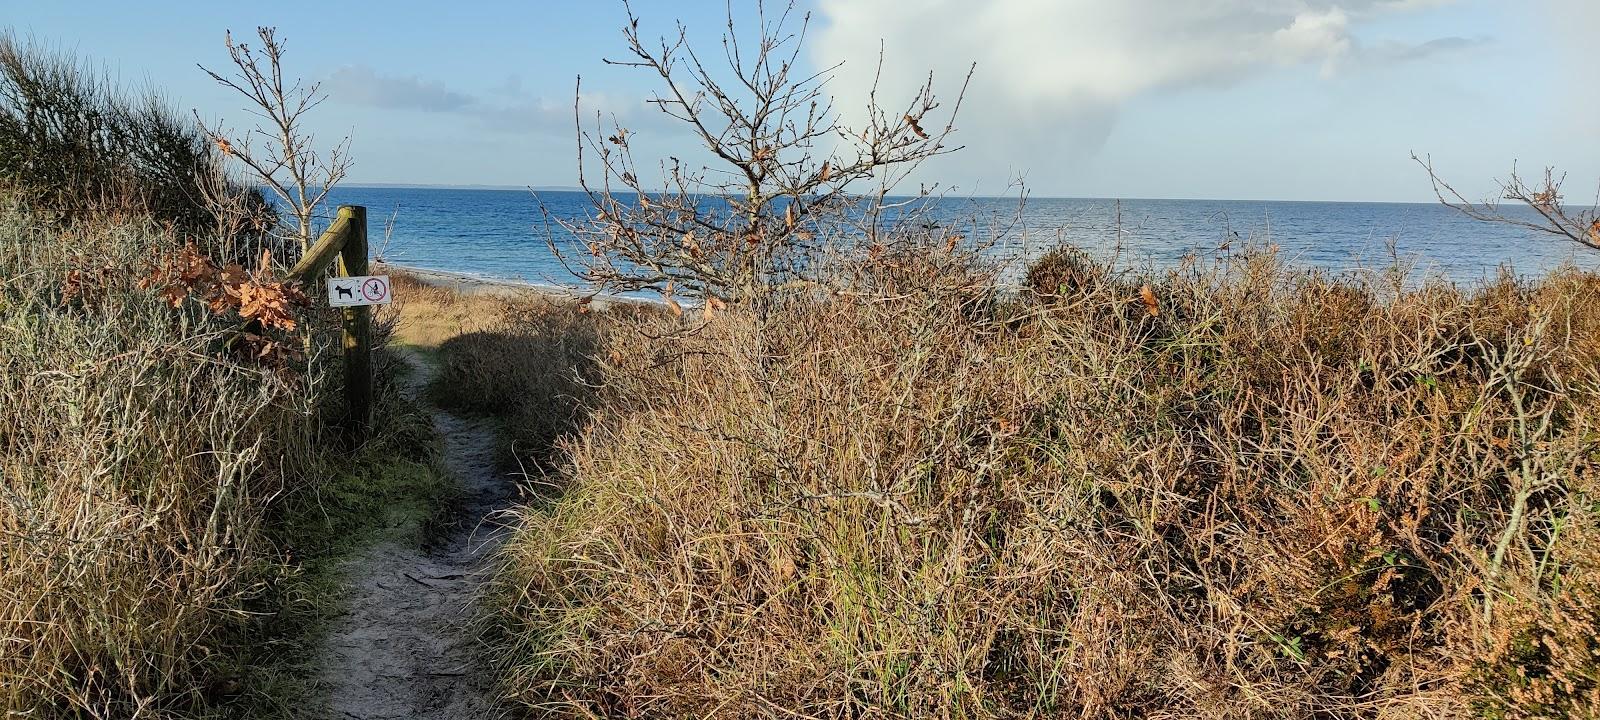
{"x":286,"y":161}
{"x":1580,"y":225}
{"x":785,"y":180}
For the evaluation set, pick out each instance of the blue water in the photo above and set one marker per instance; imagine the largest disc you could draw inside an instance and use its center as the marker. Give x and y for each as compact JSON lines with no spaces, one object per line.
{"x":502,"y":234}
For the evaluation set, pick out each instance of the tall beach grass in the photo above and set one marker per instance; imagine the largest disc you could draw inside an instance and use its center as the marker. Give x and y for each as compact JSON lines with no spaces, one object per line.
{"x":174,"y":510}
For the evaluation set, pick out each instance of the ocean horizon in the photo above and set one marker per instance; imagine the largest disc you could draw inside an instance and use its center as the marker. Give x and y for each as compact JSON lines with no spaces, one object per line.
{"x":499,"y":233}
{"x":496,"y":187}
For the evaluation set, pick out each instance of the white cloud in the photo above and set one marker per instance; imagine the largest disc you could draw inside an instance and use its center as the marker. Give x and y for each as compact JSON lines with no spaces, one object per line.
{"x":507,"y":108}
{"x":1054,"y":74}
{"x":362,"y":85}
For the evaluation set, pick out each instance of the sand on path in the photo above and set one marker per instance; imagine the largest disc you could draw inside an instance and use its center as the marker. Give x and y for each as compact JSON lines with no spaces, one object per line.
{"x":404,"y":649}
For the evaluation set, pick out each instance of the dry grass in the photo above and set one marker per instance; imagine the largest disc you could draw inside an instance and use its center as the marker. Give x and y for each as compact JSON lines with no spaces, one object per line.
{"x":135,"y":464}
{"x":523,"y":357}
{"x":426,"y":315}
{"x":172,"y":517}
{"x":173,"y":512}
{"x":1239,"y":491}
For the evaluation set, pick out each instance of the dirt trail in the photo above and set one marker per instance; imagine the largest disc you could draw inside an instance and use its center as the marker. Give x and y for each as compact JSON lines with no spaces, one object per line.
{"x":403,"y":649}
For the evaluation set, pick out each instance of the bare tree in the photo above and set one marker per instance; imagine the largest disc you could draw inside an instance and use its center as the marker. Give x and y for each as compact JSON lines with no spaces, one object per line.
{"x":787,"y":170}
{"x":278,"y":151}
{"x":1578,"y":224}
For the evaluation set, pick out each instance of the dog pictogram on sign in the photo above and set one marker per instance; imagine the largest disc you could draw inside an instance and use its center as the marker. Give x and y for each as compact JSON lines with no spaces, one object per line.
{"x":359,"y":290}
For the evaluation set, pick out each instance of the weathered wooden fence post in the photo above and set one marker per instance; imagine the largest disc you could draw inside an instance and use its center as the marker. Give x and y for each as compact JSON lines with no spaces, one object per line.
{"x":357,"y":323}
{"x":347,"y":238}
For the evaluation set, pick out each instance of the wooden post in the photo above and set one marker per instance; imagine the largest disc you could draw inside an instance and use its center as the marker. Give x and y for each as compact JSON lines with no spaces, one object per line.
{"x":357,"y":322}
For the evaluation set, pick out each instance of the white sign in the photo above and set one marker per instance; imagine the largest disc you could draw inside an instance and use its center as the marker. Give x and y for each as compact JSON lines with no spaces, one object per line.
{"x":359,"y":290}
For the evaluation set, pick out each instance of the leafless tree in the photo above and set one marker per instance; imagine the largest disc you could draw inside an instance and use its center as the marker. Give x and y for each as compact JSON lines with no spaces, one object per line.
{"x":786,"y":171}
{"x":279,"y":151}
{"x":1579,"y":224}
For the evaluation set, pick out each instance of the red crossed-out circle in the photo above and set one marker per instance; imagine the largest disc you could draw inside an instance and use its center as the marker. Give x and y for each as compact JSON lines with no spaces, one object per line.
{"x":374,"y":289}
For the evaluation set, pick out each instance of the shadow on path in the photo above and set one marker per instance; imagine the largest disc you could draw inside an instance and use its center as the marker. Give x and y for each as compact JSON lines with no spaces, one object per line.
{"x":404,"y":649}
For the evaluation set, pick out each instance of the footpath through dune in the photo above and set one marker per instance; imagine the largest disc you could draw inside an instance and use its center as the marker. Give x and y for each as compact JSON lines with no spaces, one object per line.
{"x":403,"y":648}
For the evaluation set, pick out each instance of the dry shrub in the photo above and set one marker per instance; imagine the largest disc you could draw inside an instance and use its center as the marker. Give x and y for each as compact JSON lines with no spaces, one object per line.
{"x":1239,"y":491}
{"x":521,"y":356}
{"x":1064,"y":272}
{"x":136,"y":460}
{"x":74,"y":143}
{"x":533,"y":369}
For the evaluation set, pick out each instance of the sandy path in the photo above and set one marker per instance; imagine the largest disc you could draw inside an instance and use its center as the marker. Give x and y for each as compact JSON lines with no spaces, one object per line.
{"x":403,"y":649}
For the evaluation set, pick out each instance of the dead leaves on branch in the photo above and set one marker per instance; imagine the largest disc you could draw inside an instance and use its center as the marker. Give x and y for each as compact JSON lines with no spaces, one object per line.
{"x":710,"y":307}
{"x":255,"y":296}
{"x":273,"y":304}
{"x":911,"y":122}
{"x":1547,"y":198}
{"x":88,"y":286}
{"x":666,"y":296}
{"x":1151,"y":304}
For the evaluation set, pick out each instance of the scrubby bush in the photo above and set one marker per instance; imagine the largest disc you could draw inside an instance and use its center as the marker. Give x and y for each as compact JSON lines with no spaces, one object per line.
{"x":81,"y":148}
{"x":1238,"y":491}
{"x":1065,"y":272}
{"x":526,"y":360}
{"x":137,"y":457}
{"x":173,"y":509}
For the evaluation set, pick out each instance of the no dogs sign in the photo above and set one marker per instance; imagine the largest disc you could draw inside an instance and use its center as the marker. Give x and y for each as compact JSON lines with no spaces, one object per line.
{"x":359,"y":290}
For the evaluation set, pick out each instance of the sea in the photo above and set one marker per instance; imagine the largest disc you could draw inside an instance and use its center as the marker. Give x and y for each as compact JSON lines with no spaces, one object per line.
{"x":506,"y":234}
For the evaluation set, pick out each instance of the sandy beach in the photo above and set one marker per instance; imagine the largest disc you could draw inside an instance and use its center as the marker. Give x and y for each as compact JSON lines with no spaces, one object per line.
{"x":468,"y":284}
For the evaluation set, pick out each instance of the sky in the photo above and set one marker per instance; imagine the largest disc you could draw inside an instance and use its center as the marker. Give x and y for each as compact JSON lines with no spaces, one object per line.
{"x":1228,"y":99}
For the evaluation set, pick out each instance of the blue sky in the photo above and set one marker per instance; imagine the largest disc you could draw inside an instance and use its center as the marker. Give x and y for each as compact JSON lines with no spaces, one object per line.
{"x":1249,"y":99}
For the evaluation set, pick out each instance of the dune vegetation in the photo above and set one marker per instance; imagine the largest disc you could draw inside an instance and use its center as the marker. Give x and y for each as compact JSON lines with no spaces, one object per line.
{"x":1234,"y":489}
{"x":864,"y":479}
{"x":851,"y":475}
{"x":176,"y":489}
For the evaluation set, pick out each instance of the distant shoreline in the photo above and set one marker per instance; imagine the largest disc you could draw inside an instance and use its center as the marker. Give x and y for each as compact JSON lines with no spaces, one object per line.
{"x":469,"y":284}
{"x":951,"y":196}
{"x":425,"y":186}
